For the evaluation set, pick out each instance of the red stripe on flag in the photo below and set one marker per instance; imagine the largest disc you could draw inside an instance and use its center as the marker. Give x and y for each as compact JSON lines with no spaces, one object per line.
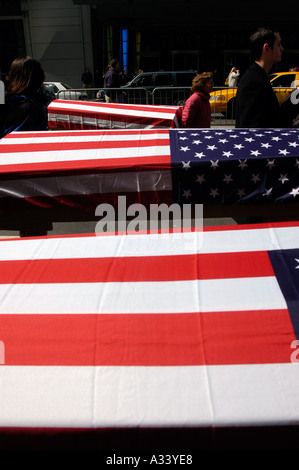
{"x":93,"y":133}
{"x":134,"y":269}
{"x":88,"y":145}
{"x":214,"y":338}
{"x":152,"y":161}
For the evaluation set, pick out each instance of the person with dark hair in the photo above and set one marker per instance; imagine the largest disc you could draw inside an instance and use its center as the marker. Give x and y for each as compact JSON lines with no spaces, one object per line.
{"x":197,"y":109}
{"x":26,"y":99}
{"x":25,"y":109}
{"x":256,"y":103}
{"x":87,"y":80}
{"x":112,"y":80}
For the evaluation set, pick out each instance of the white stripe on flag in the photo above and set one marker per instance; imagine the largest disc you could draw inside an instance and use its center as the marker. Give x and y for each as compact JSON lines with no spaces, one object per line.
{"x":79,"y":155}
{"x":143,"y":297}
{"x":138,"y":245}
{"x":90,"y":397}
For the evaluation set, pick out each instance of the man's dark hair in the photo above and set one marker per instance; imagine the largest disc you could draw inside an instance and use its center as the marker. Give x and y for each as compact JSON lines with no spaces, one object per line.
{"x":258,"y":39}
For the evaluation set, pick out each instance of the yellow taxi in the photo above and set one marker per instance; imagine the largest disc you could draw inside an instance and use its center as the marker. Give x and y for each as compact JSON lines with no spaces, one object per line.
{"x":223,"y":101}
{"x":284,"y":83}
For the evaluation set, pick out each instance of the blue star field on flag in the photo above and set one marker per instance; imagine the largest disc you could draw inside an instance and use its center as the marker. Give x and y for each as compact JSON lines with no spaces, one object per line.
{"x":286,"y":267}
{"x":235,"y":166}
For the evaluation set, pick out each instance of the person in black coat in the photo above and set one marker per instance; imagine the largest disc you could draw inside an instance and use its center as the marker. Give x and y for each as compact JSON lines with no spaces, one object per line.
{"x":112,"y":80}
{"x":256,"y":103}
{"x":25,"y":109}
{"x":26,"y":98}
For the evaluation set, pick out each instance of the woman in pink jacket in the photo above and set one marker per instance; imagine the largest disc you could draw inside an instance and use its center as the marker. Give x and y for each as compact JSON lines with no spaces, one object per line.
{"x":197,"y":109}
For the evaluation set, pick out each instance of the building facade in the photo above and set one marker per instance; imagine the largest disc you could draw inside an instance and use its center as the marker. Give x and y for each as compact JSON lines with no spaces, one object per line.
{"x":69,"y":35}
{"x":55,"y":32}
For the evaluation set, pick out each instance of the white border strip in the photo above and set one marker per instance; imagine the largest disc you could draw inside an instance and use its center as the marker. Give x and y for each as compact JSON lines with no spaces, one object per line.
{"x":220,"y":241}
{"x":99,"y":397}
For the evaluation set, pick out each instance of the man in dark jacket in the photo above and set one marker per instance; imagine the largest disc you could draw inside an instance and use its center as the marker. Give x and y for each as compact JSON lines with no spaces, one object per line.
{"x":112,"y":80}
{"x":256,"y":103}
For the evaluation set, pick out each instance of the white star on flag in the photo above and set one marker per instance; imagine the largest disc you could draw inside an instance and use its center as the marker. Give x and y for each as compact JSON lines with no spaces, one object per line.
{"x":214,"y":165}
{"x":241,"y":192}
{"x":200,"y":179}
{"x":295,"y":192}
{"x":268,"y":192}
{"x":255,"y":178}
{"x":227,"y":178}
{"x":227,"y":154}
{"x":214,"y":193}
{"x":242,"y":164}
{"x":186,"y":193}
{"x":186,"y":165}
{"x":283,"y":178}
{"x":271,"y":163}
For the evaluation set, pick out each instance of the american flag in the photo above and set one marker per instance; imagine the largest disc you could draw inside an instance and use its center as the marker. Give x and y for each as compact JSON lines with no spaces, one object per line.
{"x":64,"y":114}
{"x":236,"y":166}
{"x":176,"y":330}
{"x":81,"y":169}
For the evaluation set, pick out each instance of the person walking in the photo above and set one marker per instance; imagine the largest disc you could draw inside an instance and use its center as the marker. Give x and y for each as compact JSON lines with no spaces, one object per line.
{"x":87,"y":80}
{"x":197,"y":110}
{"x":256,"y":103}
{"x":112,"y":80}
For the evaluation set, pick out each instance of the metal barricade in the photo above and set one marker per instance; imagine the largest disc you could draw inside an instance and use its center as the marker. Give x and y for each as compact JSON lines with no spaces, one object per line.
{"x":172,"y":96}
{"x":74,"y":94}
{"x":133,"y":95}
